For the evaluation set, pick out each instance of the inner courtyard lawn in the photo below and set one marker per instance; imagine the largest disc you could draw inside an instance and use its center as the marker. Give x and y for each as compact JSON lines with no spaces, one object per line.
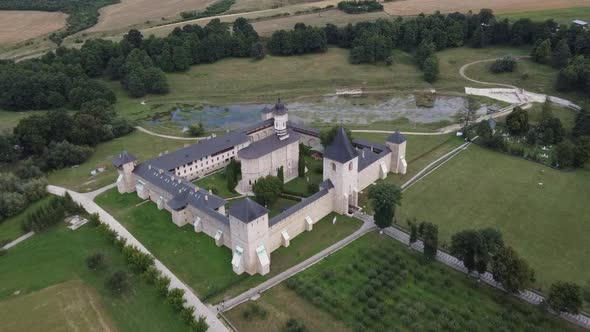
{"x":141,"y":145}
{"x":196,"y":259}
{"x":217,"y":183}
{"x":377,"y":284}
{"x":56,"y":258}
{"x":541,"y":212}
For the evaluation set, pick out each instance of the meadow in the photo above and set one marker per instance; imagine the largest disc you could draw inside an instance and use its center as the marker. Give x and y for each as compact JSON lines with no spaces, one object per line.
{"x":44,"y":284}
{"x":377,"y":284}
{"x":186,"y":252}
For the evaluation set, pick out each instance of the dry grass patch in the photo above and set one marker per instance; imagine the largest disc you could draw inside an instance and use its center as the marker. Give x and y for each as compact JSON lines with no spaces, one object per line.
{"x":132,"y":12}
{"x":16,"y":25}
{"x":71,"y":306}
{"x":415,"y":7}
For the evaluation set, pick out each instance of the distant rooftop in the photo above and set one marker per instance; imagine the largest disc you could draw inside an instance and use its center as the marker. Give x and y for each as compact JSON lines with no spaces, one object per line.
{"x":123,"y":158}
{"x":396,"y":138}
{"x":580,"y":22}
{"x":247,"y":210}
{"x":267,"y":145}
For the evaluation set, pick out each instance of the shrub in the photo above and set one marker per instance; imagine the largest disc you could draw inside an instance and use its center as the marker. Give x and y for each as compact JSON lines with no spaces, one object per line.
{"x":118,"y":283}
{"x":95,"y":261}
{"x":162,"y":284}
{"x":187,"y":314}
{"x":175,"y":299}
{"x":360,"y":6}
{"x":139,"y":261}
{"x":505,"y":64}
{"x":254,"y":310}
{"x":151,"y":275}
{"x":294,"y":325}
{"x":200,"y":325}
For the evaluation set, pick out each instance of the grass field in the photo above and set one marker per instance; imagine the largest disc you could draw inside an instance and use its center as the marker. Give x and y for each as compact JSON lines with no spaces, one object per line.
{"x":71,"y":304}
{"x":563,"y":16}
{"x":541,"y":212}
{"x":218,"y":181}
{"x":9,"y":120}
{"x":314,"y":174}
{"x":58,"y":256}
{"x":376,"y":284}
{"x":10,"y":228}
{"x":141,"y":145}
{"x":17,"y":25}
{"x":197,"y":260}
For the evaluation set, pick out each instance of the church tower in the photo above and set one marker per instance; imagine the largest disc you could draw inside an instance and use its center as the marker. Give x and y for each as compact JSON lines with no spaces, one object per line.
{"x":341,"y":167}
{"x":281,"y":117}
{"x":125,"y":164}
{"x":396,"y":142}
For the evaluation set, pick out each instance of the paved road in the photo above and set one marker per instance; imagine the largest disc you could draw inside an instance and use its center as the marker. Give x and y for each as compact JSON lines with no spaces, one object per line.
{"x":256,"y":291}
{"x":87,"y":201}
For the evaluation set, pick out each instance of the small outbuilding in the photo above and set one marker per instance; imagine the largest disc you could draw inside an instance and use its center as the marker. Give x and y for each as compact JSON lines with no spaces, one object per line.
{"x":581,"y":23}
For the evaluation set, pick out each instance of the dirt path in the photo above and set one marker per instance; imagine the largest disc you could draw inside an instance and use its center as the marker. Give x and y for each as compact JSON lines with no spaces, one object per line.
{"x":465,"y":66}
{"x":149,"y":132}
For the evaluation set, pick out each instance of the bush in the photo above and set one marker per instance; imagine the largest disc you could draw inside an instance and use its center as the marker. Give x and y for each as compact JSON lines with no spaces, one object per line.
{"x":196,"y":129}
{"x":162,"y":285}
{"x":505,"y":64}
{"x":175,"y":299}
{"x":294,"y":325}
{"x":151,"y":275}
{"x":118,"y":283}
{"x":254,"y":310}
{"x":360,"y":6}
{"x":95,"y":261}
{"x":137,"y":260}
{"x":187,"y":314}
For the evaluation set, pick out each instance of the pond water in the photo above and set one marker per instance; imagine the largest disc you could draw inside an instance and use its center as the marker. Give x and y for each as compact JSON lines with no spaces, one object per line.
{"x":327,"y":110}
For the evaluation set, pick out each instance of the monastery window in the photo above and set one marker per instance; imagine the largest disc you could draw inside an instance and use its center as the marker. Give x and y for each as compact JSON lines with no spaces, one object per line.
{"x":333,"y":167}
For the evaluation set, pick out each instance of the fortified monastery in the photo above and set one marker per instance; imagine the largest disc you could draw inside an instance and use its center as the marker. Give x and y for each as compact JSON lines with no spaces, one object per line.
{"x":262,"y":149}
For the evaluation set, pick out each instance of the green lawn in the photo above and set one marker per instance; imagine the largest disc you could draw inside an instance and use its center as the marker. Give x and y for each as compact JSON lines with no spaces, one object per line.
{"x":546,"y":223}
{"x":196,"y":259}
{"x":143,"y":146}
{"x":377,"y":284}
{"x":58,"y":256}
{"x":10,"y":228}
{"x":314,"y":174}
{"x":217,"y":183}
{"x":9,"y":120}
{"x":562,"y":16}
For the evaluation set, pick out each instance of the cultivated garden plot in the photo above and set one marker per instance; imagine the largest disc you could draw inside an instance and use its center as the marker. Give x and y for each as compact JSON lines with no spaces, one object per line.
{"x":377,"y":284}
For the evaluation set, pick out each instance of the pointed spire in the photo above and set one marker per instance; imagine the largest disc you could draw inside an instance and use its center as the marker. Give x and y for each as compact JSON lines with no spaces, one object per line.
{"x":340,"y":149}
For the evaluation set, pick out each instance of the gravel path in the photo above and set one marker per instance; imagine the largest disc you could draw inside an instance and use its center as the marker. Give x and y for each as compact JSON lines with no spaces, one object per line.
{"x":465,"y":66}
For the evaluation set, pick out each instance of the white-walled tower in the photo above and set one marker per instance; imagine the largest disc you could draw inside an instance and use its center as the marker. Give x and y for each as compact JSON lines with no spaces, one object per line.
{"x":281,"y":117}
{"x":396,"y":142}
{"x":341,"y":167}
{"x":125,"y":164}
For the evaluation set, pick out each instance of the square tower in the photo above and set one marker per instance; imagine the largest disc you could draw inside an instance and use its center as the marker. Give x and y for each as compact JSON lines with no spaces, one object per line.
{"x":396,"y":142}
{"x":248,"y":223}
{"x":341,"y":167}
{"x":125,"y":164}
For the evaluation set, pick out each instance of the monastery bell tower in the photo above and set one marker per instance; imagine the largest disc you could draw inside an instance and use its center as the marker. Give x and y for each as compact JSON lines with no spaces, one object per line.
{"x":341,"y":167}
{"x":281,"y":117}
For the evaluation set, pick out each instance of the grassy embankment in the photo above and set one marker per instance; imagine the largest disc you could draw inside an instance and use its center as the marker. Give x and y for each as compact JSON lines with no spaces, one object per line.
{"x":45,"y":285}
{"x":377,"y":284}
{"x":187,"y":253}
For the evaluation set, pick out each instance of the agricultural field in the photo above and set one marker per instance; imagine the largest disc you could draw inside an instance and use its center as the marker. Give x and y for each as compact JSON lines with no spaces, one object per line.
{"x":540,"y":211}
{"x":186,"y":252}
{"x":415,"y":7}
{"x":16,"y":26}
{"x":128,"y":13}
{"x":49,"y":271}
{"x":142,"y":145}
{"x":563,"y":16}
{"x":377,"y":284}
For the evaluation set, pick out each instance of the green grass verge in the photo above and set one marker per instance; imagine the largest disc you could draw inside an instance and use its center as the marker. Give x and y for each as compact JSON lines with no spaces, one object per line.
{"x":141,"y":145}
{"x":58,"y":256}
{"x":196,"y":259}
{"x":562,"y":16}
{"x":545,"y":223}
{"x":10,"y":229}
{"x":300,"y":185}
{"x":407,"y":294}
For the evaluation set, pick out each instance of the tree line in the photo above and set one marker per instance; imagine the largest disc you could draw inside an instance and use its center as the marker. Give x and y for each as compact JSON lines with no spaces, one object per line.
{"x":20,"y":188}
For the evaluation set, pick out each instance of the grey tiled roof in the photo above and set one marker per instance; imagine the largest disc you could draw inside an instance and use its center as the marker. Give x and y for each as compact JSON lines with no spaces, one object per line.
{"x":197,"y":151}
{"x":305,"y":202}
{"x":183,"y":192}
{"x":372,"y":152}
{"x":258,"y":126}
{"x":267,"y":145}
{"x":123,"y":158}
{"x":396,"y":138}
{"x":340,"y":150}
{"x":266,"y":110}
{"x":300,"y":128}
{"x":247,"y":210}
{"x":326,"y":184}
{"x":279,"y":108}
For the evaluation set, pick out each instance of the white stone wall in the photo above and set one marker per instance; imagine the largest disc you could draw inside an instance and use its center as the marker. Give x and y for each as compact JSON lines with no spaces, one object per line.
{"x":209,"y":164}
{"x":398,"y":151}
{"x":345,"y":180}
{"x":295,"y":224}
{"x":253,"y":169}
{"x":260,"y":134}
{"x":373,"y":172}
{"x":249,"y":236}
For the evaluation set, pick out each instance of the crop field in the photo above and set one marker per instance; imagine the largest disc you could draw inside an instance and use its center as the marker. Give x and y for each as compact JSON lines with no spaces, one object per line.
{"x":415,"y":7}
{"x":128,"y":13}
{"x":16,"y":26}
{"x":71,"y":304}
{"x":377,"y":284}
{"x":563,"y":16}
{"x":541,"y":212}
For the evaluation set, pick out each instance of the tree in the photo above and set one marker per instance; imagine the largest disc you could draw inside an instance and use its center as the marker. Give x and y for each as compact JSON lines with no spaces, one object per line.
{"x":566,"y":153}
{"x":301,"y":164}
{"x":384,"y":199}
{"x":176,"y":299}
{"x":281,"y":174}
{"x":430,"y":69}
{"x":425,"y":50}
{"x":95,"y":261}
{"x":511,"y":271}
{"x":561,"y":54}
{"x":413,"y":231}
{"x":518,"y":121}
{"x":257,"y":51}
{"x":582,"y":123}
{"x":542,"y":51}
{"x":267,"y":189}
{"x":232,"y":171}
{"x":505,"y":64}
{"x":429,"y":233}
{"x":196,"y":129}
{"x":565,"y":297}
{"x":180,"y":58}
{"x":294,"y":325}
{"x":118,"y":283}
{"x":582,"y":151}
{"x":327,"y":135}
{"x":468,"y":114}
{"x":476,"y":247}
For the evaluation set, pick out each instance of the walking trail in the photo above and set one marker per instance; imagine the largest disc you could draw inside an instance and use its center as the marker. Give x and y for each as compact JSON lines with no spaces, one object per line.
{"x":87,"y":201}
{"x":465,"y":66}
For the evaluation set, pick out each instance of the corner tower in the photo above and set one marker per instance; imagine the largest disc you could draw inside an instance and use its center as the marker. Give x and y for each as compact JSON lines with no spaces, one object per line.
{"x":341,"y":167}
{"x":281,"y":117}
{"x":125,"y":164}
{"x":396,"y":142}
{"x":248,"y":223}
